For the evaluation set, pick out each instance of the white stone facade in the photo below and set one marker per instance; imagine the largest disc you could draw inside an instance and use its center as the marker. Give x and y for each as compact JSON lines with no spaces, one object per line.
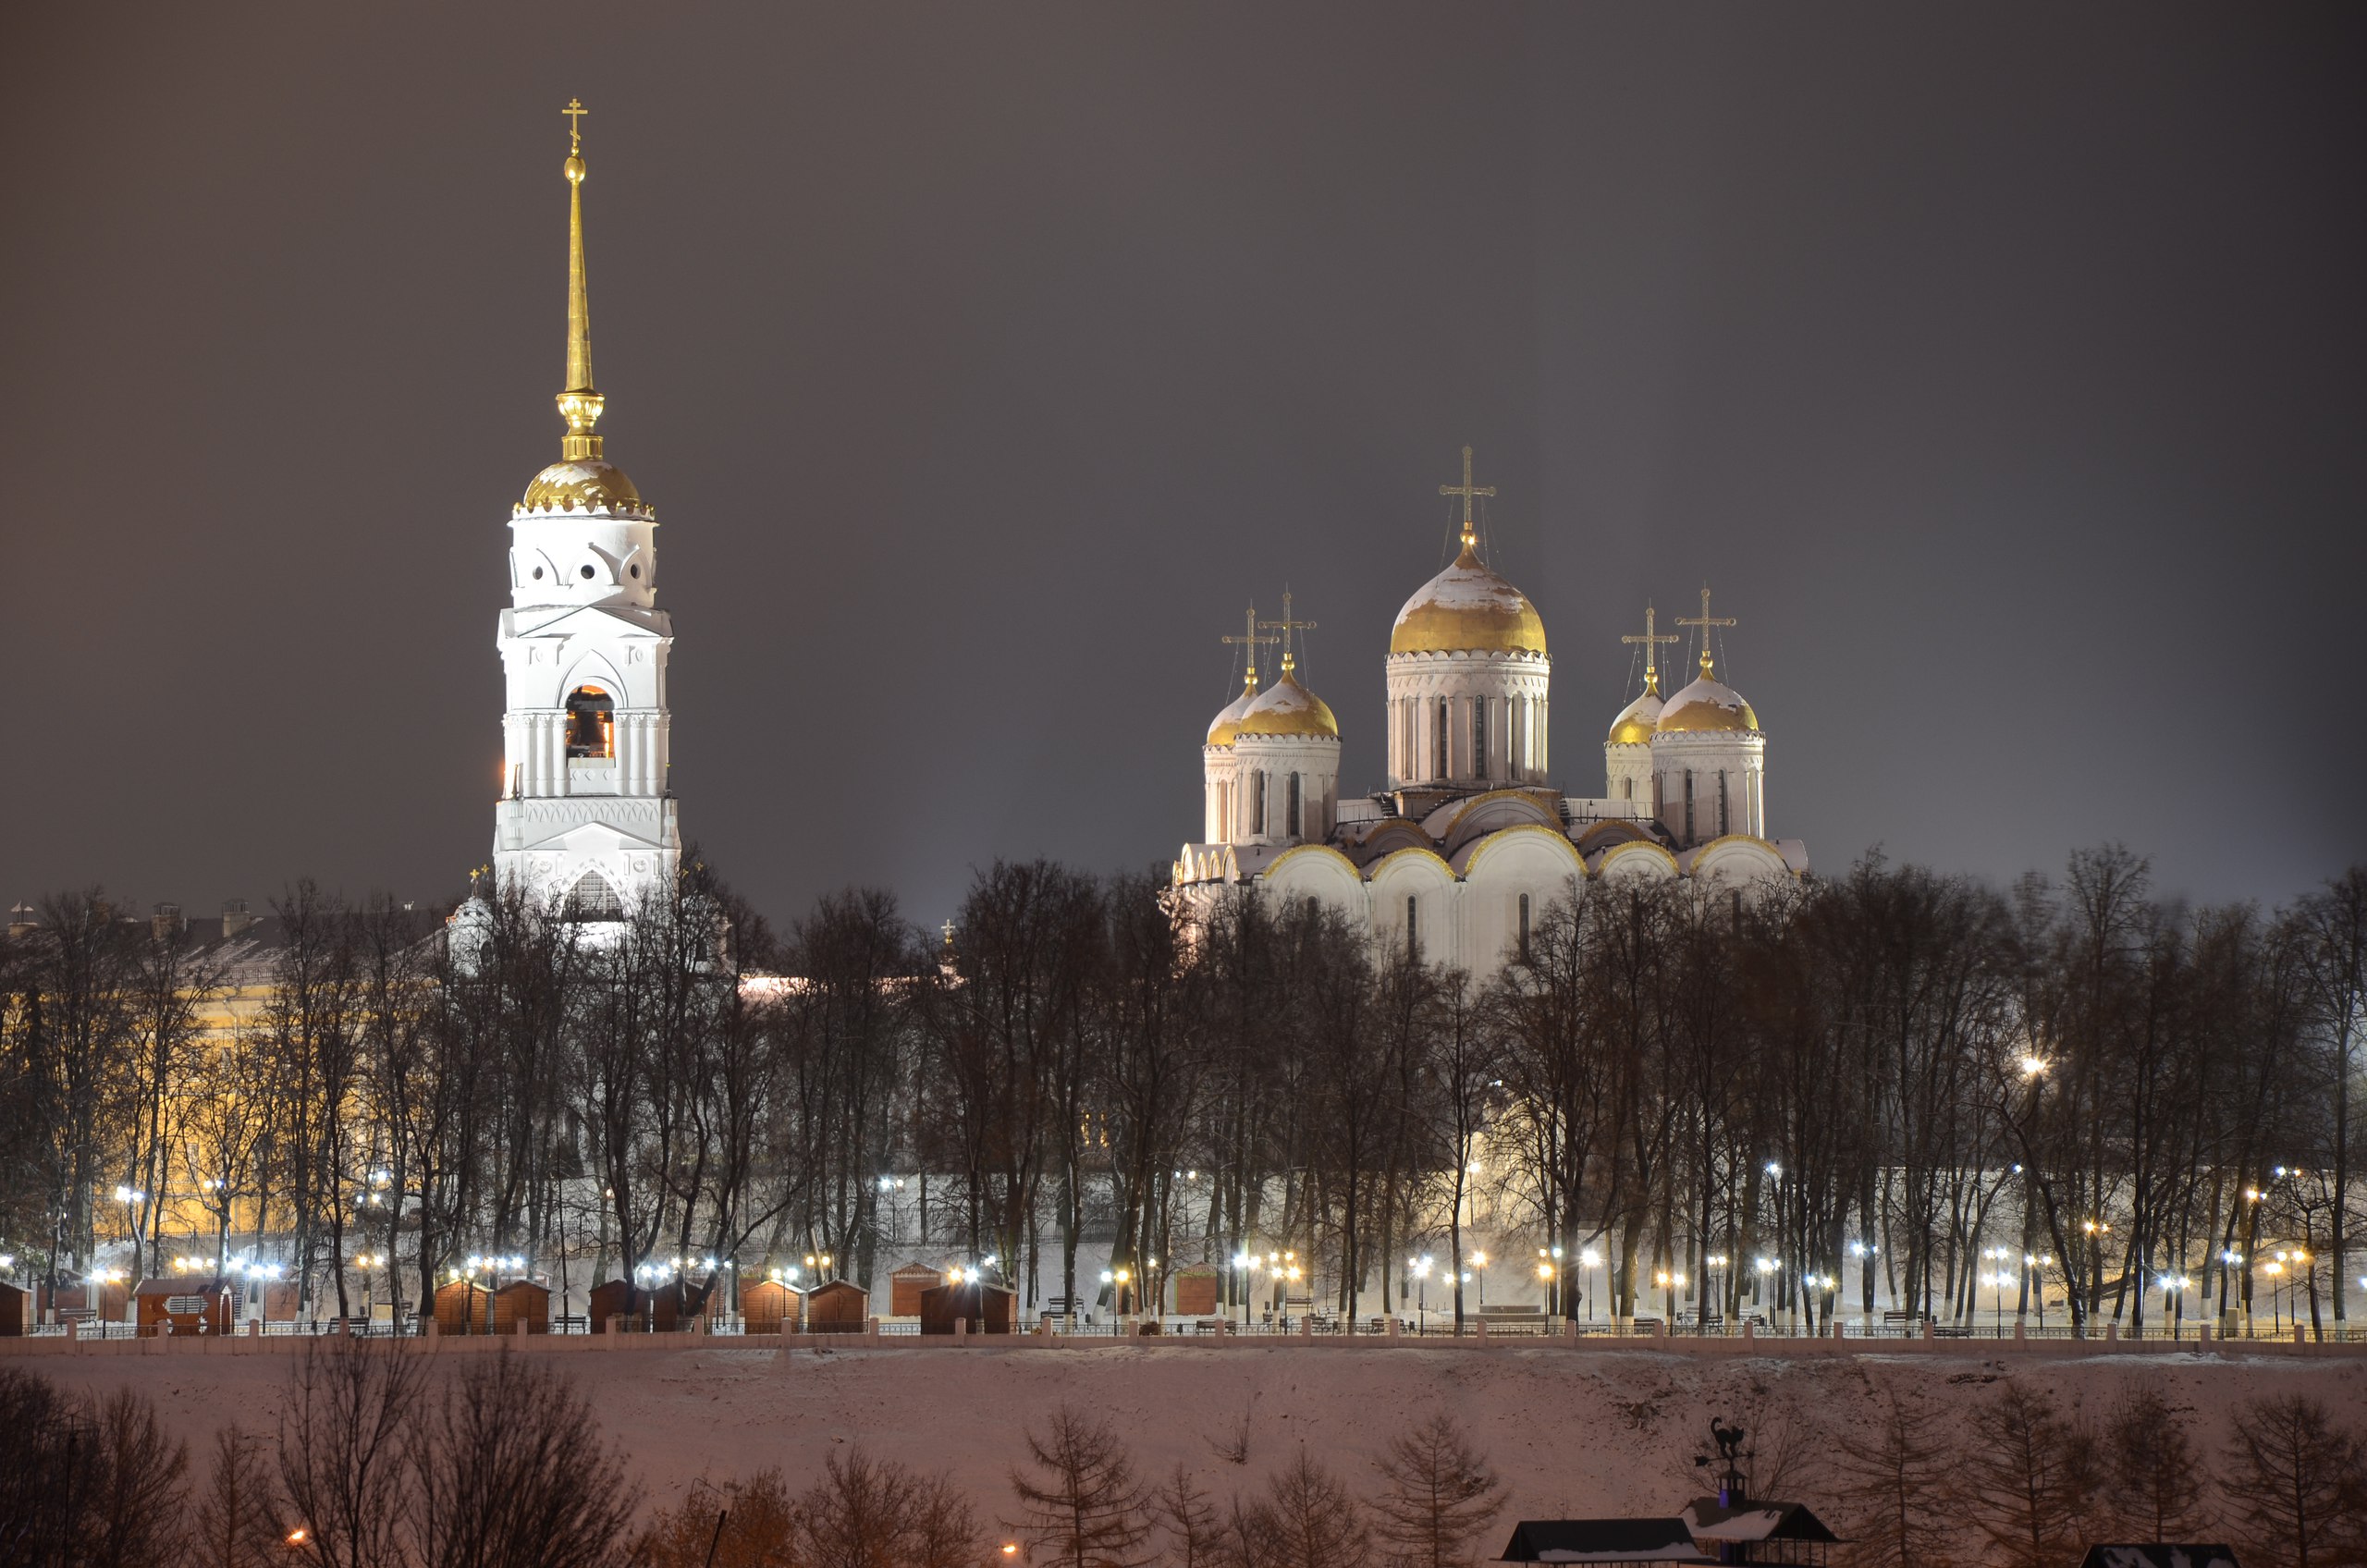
{"x":1460,"y":856}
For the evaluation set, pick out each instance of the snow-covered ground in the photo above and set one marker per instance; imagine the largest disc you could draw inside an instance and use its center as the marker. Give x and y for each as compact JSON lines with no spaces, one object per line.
{"x":1574,"y":1430}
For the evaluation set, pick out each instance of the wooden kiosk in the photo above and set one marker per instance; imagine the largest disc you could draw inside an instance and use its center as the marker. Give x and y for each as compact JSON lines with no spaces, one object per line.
{"x":837,"y":1307}
{"x":987,"y":1309}
{"x":906,"y":1286}
{"x":186,"y":1305}
{"x":770,"y":1307}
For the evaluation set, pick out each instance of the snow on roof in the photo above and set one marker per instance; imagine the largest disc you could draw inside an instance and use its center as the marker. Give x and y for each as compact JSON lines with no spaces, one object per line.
{"x":1761,"y":1521}
{"x":1602,"y":1540}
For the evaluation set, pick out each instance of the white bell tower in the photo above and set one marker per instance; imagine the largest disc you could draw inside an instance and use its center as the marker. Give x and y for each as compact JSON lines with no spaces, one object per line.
{"x":586,"y":812}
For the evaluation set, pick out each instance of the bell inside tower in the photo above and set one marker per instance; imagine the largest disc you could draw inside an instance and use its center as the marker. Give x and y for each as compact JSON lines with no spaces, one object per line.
{"x":591,"y":723}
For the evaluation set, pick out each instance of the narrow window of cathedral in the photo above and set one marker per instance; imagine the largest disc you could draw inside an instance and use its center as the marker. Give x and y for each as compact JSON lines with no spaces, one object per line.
{"x":1722,"y":801}
{"x":1478,"y":737}
{"x":1524,"y":928}
{"x":591,"y":723}
{"x":1439,"y":743}
{"x":1737,"y":907}
{"x":1257,"y":803}
{"x":1688,"y":805}
{"x":1627,"y":788}
{"x":1291,"y":822}
{"x":1413,"y":938}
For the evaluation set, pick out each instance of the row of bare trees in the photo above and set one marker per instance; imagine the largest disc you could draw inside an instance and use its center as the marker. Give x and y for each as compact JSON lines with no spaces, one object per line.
{"x":1891,"y":1087}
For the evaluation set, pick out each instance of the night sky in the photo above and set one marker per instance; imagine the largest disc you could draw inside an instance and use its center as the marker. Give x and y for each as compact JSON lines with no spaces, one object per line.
{"x":2004,"y":372}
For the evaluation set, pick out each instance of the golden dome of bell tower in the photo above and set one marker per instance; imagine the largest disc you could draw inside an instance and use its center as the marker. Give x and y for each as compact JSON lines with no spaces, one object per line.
{"x":583,"y":479}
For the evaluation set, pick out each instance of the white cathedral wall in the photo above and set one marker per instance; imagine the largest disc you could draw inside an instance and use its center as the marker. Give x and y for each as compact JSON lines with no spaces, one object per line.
{"x":1516,"y":687}
{"x":589,"y":619}
{"x":1276,"y":758}
{"x":1737,"y":758}
{"x":1628,"y":774}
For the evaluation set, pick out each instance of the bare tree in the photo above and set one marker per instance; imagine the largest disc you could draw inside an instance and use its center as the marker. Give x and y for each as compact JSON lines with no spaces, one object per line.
{"x":2288,"y":1467}
{"x":344,"y":1436}
{"x":1195,"y":1529}
{"x":1306,"y":1519}
{"x":743,"y":1523}
{"x":235,"y":1524}
{"x":2028,"y":1477}
{"x":876,"y":1513}
{"x":509,"y":1469}
{"x":1086,"y":1510}
{"x":1894,"y":1474}
{"x":1437,"y":1494}
{"x":2152,"y":1462}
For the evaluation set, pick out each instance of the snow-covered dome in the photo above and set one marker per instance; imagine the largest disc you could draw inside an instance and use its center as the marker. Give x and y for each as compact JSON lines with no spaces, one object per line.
{"x":1467,"y":608}
{"x":1287,"y":708}
{"x":1637,"y":721}
{"x":1708,"y":706}
{"x":1227,"y":723}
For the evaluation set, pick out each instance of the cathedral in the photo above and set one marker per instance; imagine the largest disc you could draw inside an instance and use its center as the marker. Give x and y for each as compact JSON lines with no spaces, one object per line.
{"x":585,"y":814}
{"x":1471,"y":839}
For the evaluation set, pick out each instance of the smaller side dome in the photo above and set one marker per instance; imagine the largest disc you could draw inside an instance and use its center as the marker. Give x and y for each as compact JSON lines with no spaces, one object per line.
{"x":581,"y":484}
{"x":1707,"y":707}
{"x":1287,"y":708}
{"x":1227,"y":724}
{"x":1637,"y":721}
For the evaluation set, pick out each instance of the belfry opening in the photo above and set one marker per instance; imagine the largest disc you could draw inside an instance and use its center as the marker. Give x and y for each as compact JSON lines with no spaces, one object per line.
{"x":591,"y":723}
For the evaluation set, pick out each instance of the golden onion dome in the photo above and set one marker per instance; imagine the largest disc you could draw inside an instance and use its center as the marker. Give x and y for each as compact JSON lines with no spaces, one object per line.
{"x":1707,"y":707}
{"x":1227,"y":724}
{"x":1637,"y":721}
{"x":1288,"y":710}
{"x":1467,"y":608}
{"x":582,"y":484}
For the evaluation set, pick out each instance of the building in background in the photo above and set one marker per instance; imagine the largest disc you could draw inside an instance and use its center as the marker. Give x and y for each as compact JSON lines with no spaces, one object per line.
{"x":1471,"y":839}
{"x":585,"y":814}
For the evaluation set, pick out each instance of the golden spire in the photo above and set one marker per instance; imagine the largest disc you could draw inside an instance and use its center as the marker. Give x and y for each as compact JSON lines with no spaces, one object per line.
{"x":1466,"y":490}
{"x":1286,"y":625}
{"x":579,"y":404}
{"x":1250,"y":639}
{"x":1652,"y":649}
{"x":1704,"y":621}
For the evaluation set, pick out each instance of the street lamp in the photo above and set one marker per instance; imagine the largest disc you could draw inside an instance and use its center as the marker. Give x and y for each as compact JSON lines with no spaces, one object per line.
{"x":1420,"y":1268}
{"x":2172,"y":1284}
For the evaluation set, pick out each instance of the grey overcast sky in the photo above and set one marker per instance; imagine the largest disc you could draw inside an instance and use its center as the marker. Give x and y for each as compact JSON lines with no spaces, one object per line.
{"x":2000,"y":368}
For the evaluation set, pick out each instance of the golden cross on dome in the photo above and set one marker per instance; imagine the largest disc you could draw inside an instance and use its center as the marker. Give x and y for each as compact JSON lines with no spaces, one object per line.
{"x":1652,"y":649}
{"x":575,"y":111}
{"x":1286,"y":625}
{"x":948,"y":933}
{"x":1466,"y":490}
{"x":1250,"y":639}
{"x":1704,"y":620}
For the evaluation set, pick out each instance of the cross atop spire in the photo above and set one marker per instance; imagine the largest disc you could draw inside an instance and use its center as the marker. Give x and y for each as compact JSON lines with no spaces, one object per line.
{"x":1467,"y":491}
{"x":1250,"y":639}
{"x":1652,"y":648}
{"x":1705,"y":621}
{"x":1286,"y":625}
{"x":578,"y":403}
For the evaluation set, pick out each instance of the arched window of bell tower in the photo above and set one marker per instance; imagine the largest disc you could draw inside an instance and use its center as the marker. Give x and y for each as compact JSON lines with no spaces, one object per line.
{"x":593,"y":897}
{"x":591,"y":723}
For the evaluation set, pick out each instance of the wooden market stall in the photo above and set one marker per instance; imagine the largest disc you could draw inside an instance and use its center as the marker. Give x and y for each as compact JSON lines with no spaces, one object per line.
{"x":521,"y":1305}
{"x":839,"y":1307}
{"x":771,"y":1307}
{"x":906,"y":1285}
{"x":183,"y":1305}
{"x":987,"y":1309}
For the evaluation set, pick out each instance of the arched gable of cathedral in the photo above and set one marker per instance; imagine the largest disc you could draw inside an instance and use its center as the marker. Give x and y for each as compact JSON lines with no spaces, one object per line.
{"x":1493,"y":812}
{"x":1524,"y":853}
{"x":1316,"y":871}
{"x":1737,"y":860}
{"x":1638,"y":857}
{"x":1606,"y":834}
